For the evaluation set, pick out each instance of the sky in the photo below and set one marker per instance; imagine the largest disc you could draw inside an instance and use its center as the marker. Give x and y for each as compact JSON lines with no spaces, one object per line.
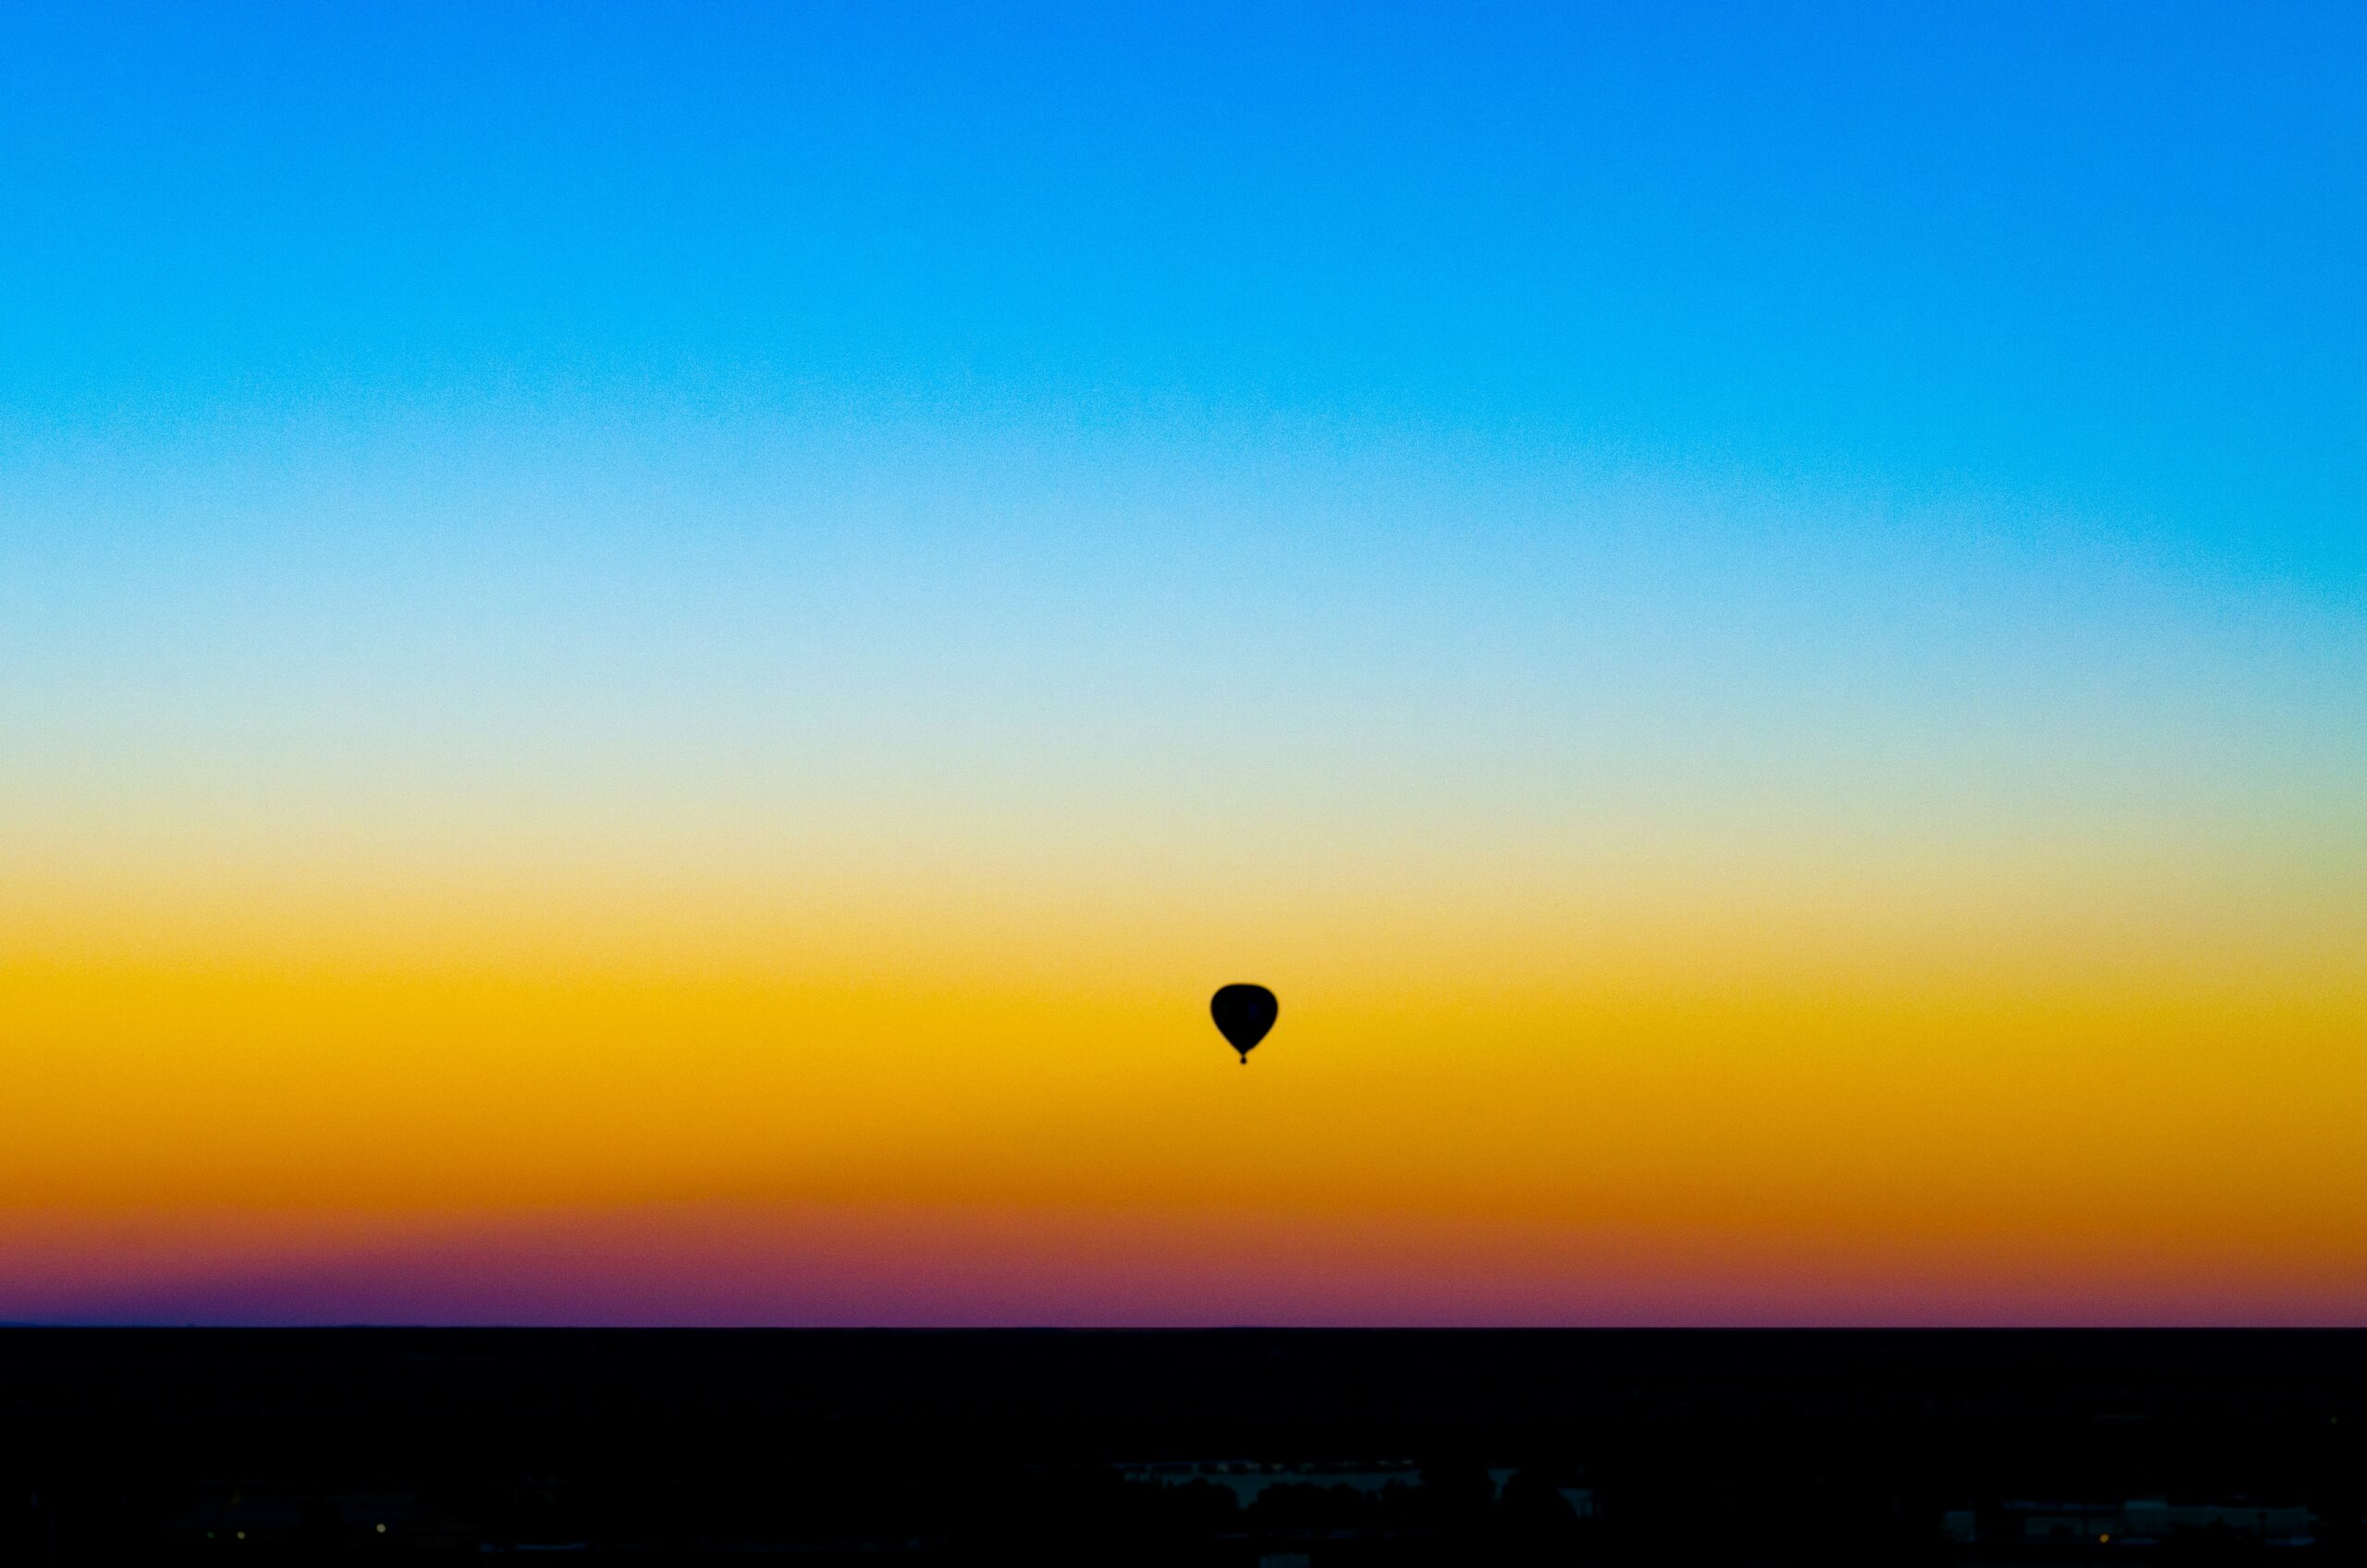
{"x":651,"y":657}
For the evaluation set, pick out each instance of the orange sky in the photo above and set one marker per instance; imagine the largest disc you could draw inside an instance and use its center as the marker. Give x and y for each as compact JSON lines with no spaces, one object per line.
{"x":2029,"y":1094}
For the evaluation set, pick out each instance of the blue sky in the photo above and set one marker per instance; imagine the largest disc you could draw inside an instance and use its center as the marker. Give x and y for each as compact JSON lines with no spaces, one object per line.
{"x":2105,"y":258}
{"x":1875,"y":386}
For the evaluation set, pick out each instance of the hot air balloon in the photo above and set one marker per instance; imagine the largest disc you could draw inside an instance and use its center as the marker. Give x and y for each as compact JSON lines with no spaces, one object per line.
{"x":1243,"y":1013}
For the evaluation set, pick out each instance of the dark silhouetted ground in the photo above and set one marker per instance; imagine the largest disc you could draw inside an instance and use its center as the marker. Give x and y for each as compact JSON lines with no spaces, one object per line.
{"x":1283,"y":1448}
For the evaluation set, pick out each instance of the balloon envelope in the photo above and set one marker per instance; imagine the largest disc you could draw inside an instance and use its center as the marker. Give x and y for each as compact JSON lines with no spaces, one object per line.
{"x":1243,"y":1013}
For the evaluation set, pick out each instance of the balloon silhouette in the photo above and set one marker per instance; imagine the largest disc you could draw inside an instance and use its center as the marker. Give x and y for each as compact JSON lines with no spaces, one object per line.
{"x":1243,"y":1013}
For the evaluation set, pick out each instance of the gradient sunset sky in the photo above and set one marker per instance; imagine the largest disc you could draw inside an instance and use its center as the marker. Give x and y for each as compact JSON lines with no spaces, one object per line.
{"x":652,"y":655}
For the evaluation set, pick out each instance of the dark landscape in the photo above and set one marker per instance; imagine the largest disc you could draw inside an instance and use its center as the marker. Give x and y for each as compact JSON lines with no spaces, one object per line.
{"x":1285,"y":1448}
